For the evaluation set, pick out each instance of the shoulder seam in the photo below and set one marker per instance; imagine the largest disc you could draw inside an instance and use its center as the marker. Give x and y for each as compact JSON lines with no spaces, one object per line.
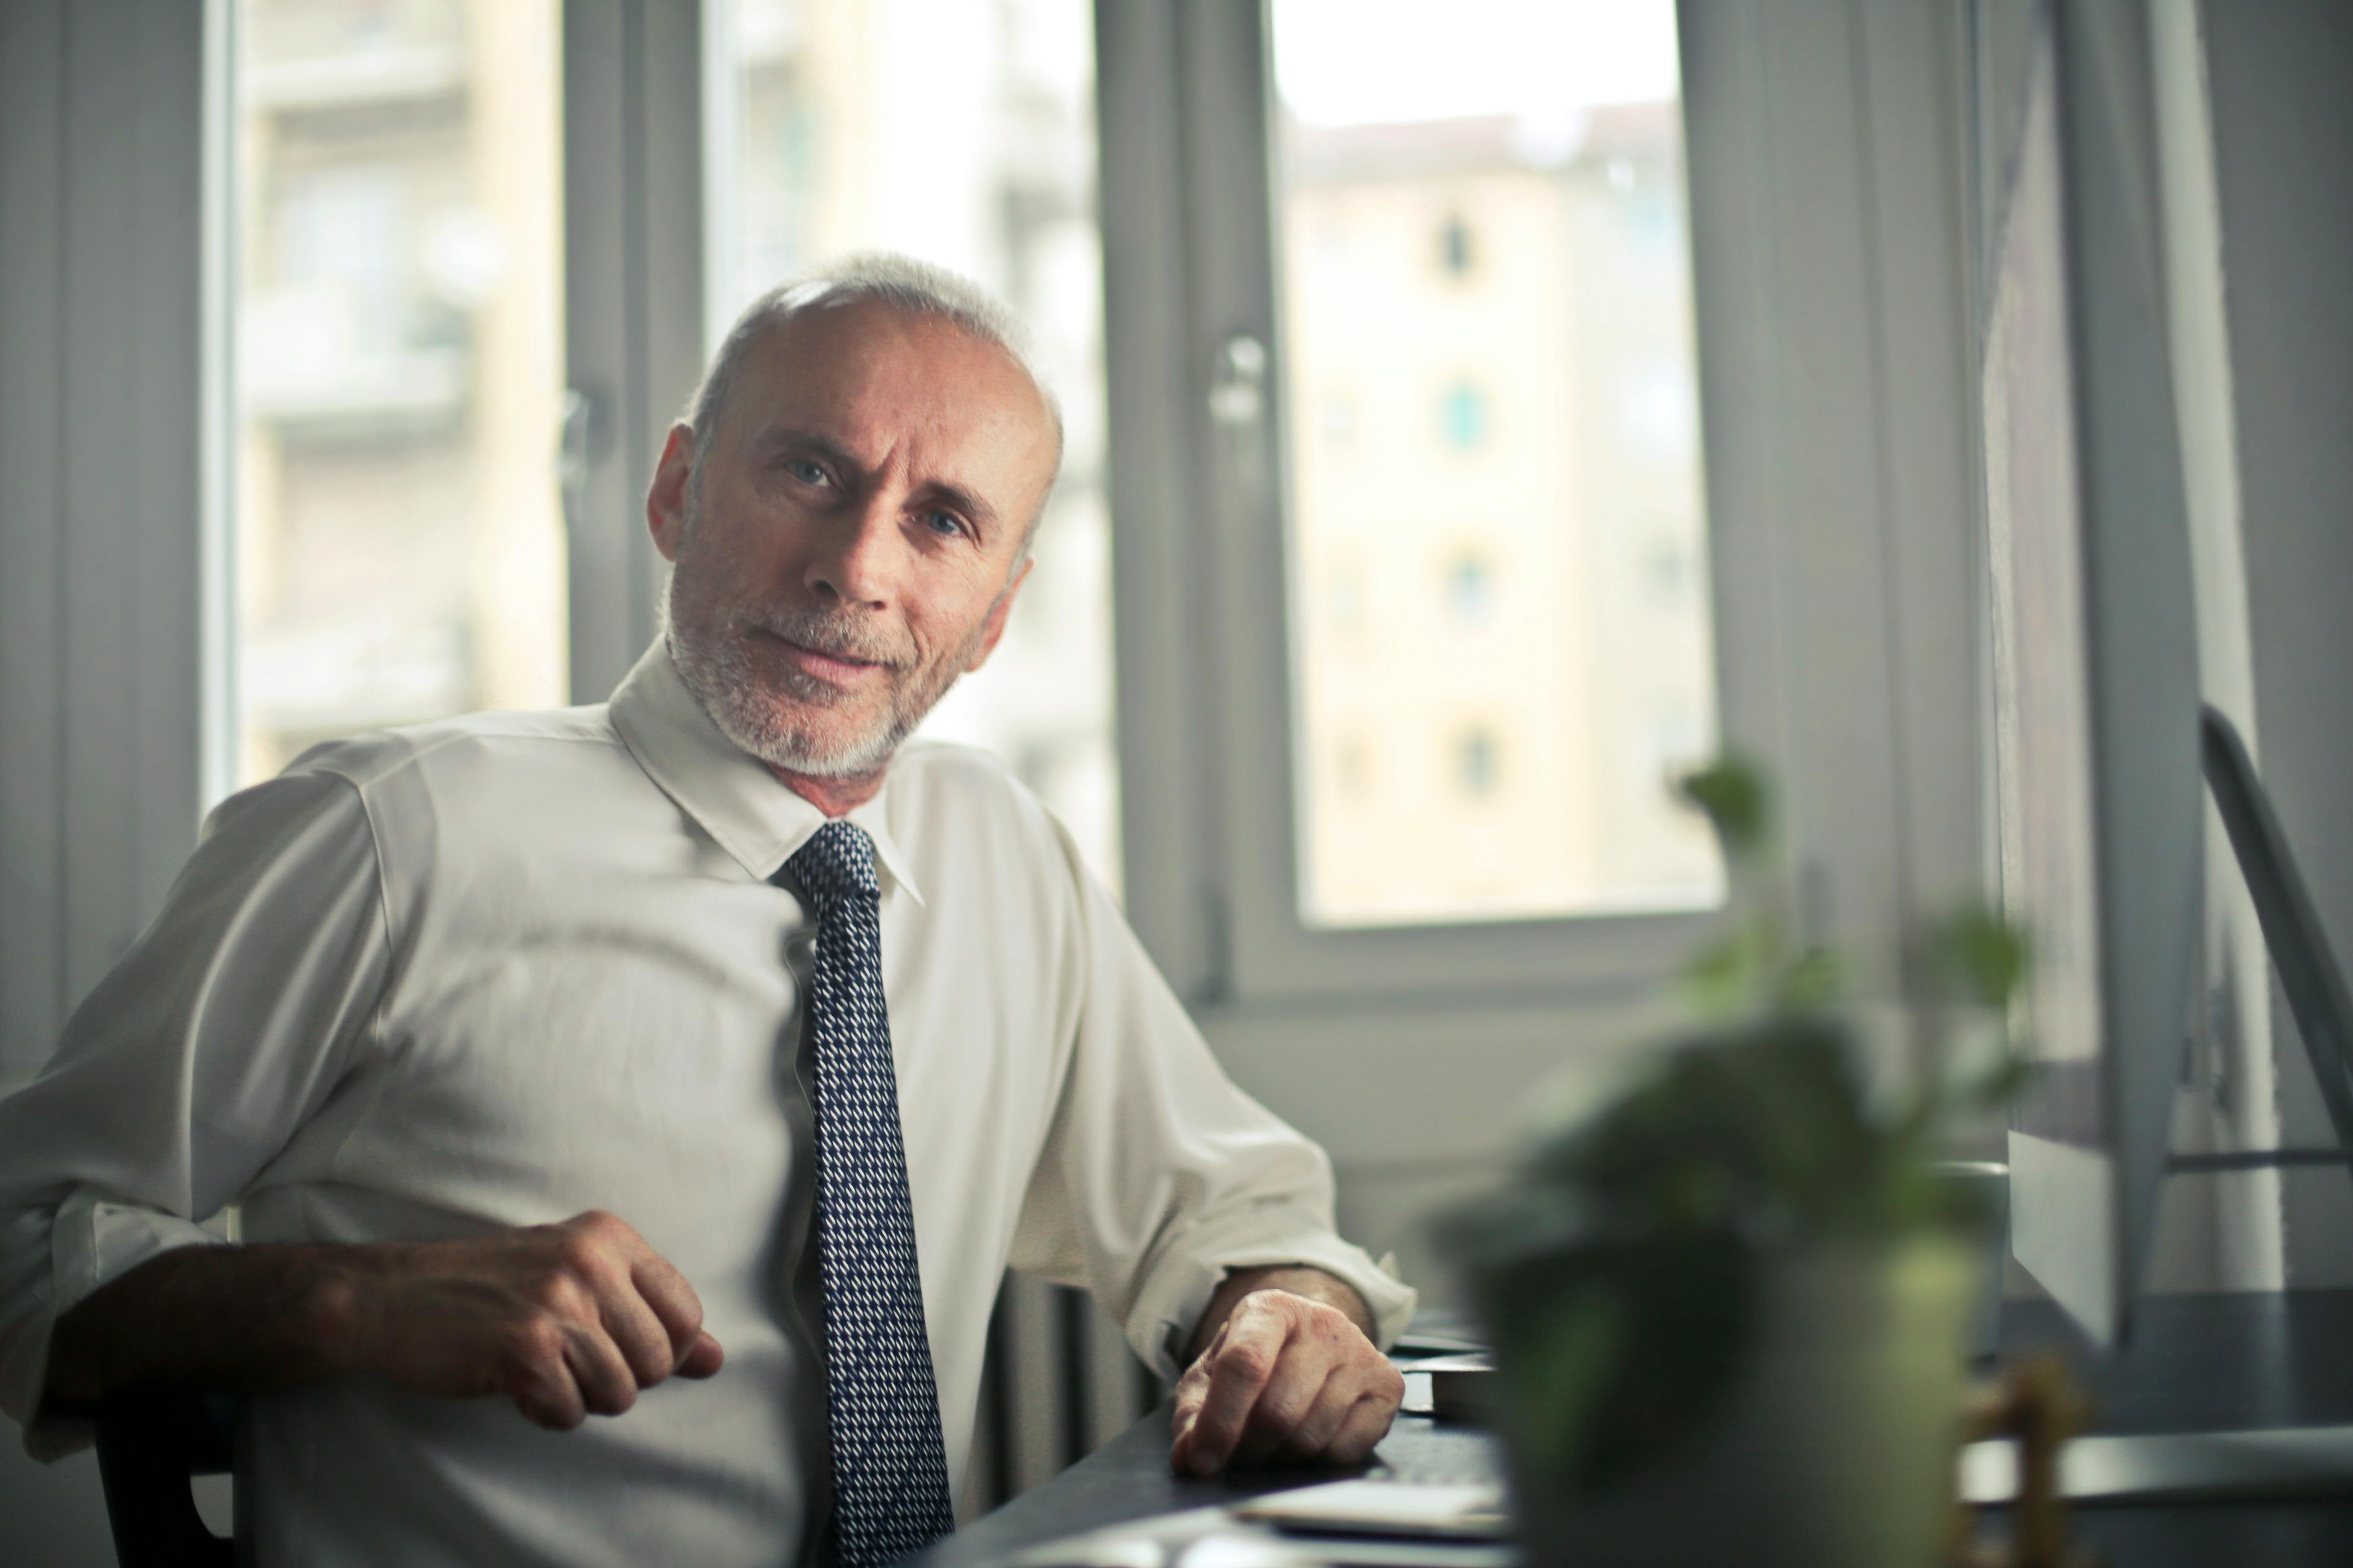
{"x":362,"y":778}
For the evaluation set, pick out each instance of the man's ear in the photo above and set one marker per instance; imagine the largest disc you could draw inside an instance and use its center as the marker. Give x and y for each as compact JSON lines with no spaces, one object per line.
{"x":997,"y":613}
{"x":666,"y":497}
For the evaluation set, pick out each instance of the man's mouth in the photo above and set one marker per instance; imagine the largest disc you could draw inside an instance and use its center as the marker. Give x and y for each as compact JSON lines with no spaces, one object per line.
{"x":836,"y":669}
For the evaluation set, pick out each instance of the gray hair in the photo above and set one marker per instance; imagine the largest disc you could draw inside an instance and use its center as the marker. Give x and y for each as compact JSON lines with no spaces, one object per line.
{"x":887,"y":277}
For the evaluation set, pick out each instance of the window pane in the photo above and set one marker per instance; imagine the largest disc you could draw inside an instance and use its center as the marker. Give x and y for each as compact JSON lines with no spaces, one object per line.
{"x":962,"y":133}
{"x":1498,"y":546}
{"x":399,"y":551}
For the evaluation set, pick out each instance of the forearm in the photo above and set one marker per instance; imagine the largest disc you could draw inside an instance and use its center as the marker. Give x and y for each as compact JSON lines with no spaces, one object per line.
{"x":1312,"y":1283}
{"x":232,"y":1318}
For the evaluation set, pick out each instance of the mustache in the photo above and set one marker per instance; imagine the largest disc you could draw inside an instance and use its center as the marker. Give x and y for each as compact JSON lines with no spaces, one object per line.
{"x":834,"y":635}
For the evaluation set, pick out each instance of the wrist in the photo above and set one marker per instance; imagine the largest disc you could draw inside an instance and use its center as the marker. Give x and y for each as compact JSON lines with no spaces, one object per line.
{"x":336,"y":1311}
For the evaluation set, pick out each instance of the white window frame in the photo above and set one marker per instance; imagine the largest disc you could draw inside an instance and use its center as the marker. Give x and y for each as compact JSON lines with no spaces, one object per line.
{"x":1825,"y":155}
{"x":633,"y":332}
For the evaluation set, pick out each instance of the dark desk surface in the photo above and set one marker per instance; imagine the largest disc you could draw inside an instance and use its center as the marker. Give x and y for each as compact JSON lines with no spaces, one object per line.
{"x":2196,"y":1362}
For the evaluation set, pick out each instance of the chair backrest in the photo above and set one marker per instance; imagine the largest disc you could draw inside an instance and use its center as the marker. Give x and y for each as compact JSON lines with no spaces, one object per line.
{"x":151,"y":1443}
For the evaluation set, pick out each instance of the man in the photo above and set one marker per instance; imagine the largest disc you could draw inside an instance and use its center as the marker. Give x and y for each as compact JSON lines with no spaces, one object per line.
{"x":698,"y":1059}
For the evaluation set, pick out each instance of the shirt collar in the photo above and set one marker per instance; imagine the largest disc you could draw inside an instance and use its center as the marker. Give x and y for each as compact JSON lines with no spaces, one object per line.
{"x":747,"y":809}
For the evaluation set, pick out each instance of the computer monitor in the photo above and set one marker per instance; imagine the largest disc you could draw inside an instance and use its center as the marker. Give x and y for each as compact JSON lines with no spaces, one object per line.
{"x":2101,"y":738}
{"x":2095,"y":655}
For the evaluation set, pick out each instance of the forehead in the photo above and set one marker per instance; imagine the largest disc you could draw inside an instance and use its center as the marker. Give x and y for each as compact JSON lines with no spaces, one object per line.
{"x":886,"y":383}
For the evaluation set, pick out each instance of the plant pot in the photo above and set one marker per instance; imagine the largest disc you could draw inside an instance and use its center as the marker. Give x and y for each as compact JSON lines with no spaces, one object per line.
{"x":1831,"y":1443}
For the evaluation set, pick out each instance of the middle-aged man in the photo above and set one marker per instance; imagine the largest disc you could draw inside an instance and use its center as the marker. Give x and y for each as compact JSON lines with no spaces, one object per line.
{"x":698,"y":1059}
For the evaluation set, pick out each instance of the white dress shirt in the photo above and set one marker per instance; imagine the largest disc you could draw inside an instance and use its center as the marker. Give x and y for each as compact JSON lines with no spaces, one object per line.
{"x":498,"y":971}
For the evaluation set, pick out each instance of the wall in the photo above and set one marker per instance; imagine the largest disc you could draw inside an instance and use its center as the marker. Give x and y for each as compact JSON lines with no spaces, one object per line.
{"x":2283,"y":155}
{"x":101,"y":516}
{"x":102,"y":522}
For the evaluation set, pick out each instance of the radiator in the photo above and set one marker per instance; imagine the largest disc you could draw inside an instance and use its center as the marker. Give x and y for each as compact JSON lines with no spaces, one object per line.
{"x":1058,"y":1383}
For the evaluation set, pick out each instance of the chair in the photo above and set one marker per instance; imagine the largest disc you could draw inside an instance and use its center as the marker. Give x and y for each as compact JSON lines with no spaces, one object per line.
{"x":151,"y":1443}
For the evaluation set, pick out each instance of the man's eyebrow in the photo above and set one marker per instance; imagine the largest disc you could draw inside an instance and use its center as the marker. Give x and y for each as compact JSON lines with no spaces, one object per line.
{"x":783,"y":438}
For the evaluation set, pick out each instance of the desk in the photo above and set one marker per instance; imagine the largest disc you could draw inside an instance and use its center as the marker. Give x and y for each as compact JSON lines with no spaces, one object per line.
{"x":2196,"y":1361}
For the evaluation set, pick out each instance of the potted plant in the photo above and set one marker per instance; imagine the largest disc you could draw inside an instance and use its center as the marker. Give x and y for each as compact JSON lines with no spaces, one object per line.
{"x":1730,"y":1308}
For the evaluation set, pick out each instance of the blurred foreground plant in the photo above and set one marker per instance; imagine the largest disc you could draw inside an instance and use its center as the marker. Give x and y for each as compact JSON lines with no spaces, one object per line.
{"x":1624,"y":1272}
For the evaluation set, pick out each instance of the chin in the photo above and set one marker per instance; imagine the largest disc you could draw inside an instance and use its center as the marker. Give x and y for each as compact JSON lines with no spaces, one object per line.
{"x":783,"y":733}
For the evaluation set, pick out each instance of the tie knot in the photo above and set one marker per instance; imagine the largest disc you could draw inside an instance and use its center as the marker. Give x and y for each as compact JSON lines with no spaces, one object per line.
{"x":839,"y":860}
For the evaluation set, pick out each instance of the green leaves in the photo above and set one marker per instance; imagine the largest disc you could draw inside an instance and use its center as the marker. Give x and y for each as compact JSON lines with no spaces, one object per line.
{"x":1621,"y":1271}
{"x":1982,"y":955}
{"x":1731,"y":792}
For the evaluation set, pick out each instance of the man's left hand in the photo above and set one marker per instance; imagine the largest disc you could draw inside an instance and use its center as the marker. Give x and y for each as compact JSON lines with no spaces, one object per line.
{"x":1285,"y":1380}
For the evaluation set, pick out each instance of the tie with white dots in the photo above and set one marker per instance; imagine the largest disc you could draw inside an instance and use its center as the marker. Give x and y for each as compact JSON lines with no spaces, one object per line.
{"x":890,"y":1465}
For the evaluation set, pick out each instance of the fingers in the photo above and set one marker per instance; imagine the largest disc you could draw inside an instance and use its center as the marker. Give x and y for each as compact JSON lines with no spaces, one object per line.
{"x":670,"y":1298}
{"x":1287,"y":1380}
{"x":702,"y":1358}
{"x":1192,"y":1389}
{"x":1290,"y":1397}
{"x":638,"y":1334}
{"x":1314,"y":1432}
{"x":1236,"y":1368}
{"x":541,"y":1383}
{"x":1367,"y":1424}
{"x":612,"y":1317}
{"x":607,"y":1385}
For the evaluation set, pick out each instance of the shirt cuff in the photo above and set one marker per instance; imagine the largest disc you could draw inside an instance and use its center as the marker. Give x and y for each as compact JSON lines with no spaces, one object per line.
{"x":91,"y":1242}
{"x":1169,"y":1306}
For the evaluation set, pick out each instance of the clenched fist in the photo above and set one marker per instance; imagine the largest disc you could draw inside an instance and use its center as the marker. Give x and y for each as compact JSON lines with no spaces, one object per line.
{"x":567,"y":1320}
{"x":1285,"y":1380}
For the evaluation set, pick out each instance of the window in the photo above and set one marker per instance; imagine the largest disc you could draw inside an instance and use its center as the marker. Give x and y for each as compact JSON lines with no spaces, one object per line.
{"x":1456,"y":255}
{"x":399,"y":552}
{"x":1462,"y":418}
{"x":1553,"y":133}
{"x":963,"y":134}
{"x":1470,"y":590}
{"x":1475,"y":765}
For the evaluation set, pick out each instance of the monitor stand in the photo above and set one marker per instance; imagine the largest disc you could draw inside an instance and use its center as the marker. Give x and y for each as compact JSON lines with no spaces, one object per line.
{"x":2276,"y":1462}
{"x":2292,"y":932}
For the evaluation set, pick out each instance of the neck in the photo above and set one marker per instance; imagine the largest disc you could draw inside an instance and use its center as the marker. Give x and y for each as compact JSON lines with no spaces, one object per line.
{"x":836,"y":796}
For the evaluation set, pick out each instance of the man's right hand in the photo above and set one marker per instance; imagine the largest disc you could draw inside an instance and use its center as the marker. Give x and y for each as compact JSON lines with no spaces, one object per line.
{"x":568,"y":1321}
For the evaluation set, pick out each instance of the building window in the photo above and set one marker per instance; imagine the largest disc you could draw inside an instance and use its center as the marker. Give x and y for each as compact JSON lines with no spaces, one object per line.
{"x":1470,"y":590}
{"x":1457,"y":254}
{"x":1462,"y":418}
{"x":1477,"y":765}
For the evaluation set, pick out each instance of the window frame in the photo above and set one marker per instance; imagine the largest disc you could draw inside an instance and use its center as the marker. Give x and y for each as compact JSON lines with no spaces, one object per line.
{"x":1827,"y":164}
{"x":1211,"y":779}
{"x":634,"y":85}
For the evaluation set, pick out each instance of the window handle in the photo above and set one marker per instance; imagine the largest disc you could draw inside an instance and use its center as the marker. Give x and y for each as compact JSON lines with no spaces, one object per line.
{"x":572,"y":455}
{"x":1237,"y":389}
{"x":1238,"y":426}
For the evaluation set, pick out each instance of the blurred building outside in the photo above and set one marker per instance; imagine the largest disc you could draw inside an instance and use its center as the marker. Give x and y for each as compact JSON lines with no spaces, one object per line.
{"x":399,"y":546}
{"x":1498,"y":549}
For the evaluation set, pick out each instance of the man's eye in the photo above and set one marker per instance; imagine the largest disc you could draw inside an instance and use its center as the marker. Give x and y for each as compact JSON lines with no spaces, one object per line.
{"x":944,"y":522}
{"x":808,"y":473}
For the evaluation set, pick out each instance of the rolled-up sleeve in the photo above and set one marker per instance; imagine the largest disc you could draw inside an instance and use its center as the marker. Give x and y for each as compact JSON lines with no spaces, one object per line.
{"x":220,"y":1034}
{"x":1159,"y":1176}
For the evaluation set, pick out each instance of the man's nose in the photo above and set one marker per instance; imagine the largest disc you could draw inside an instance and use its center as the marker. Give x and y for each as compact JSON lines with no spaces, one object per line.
{"x":855,"y":560}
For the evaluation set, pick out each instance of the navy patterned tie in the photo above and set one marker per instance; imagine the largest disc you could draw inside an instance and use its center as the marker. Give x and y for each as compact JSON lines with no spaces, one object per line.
{"x":890,"y":1465}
